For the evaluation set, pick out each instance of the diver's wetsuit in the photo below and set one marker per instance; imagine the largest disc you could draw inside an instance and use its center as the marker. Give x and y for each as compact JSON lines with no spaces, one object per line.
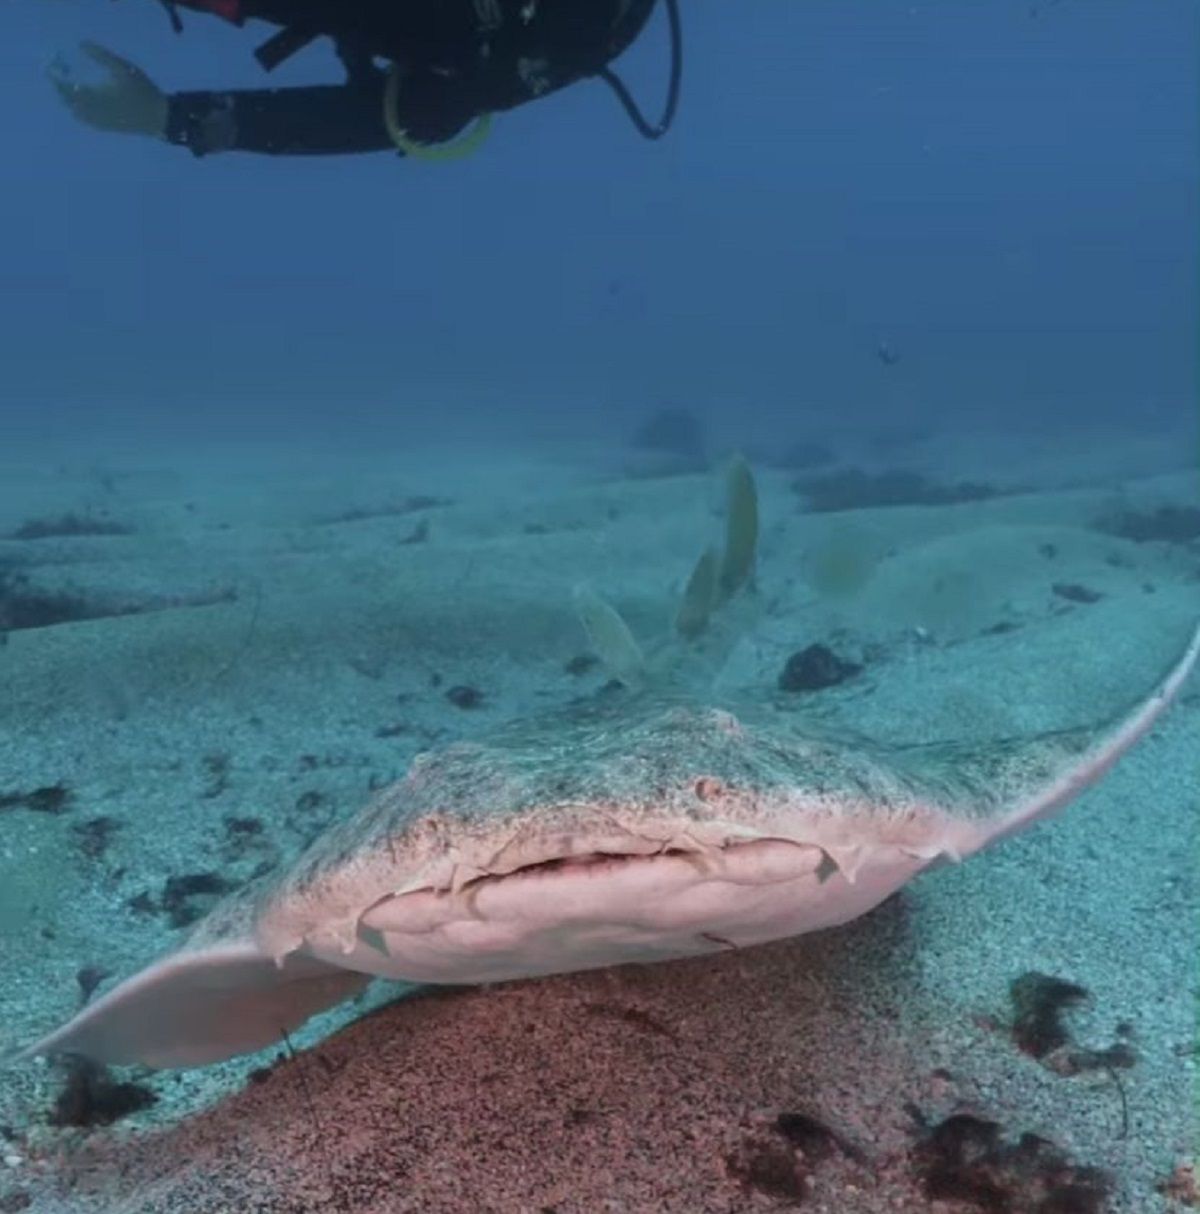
{"x":458,"y":59}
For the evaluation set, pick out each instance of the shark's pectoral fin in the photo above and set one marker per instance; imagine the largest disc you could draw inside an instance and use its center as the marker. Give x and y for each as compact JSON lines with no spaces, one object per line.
{"x":198,"y":1006}
{"x":1036,"y":778}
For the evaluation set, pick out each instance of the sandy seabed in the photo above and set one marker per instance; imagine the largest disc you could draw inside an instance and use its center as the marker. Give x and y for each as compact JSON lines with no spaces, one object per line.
{"x":273,"y":638}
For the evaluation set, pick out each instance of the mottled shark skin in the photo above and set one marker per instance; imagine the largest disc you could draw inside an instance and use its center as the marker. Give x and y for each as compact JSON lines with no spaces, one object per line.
{"x":639,"y":831}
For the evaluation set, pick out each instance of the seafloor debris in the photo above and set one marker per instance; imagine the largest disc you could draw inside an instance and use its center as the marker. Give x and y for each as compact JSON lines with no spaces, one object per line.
{"x":90,"y":1097}
{"x":1167,"y":524}
{"x":968,"y":1159}
{"x":854,"y":489}
{"x":464,"y":696}
{"x":184,"y":899}
{"x":1181,"y":1185}
{"x":48,"y":799}
{"x":779,"y":1161}
{"x":814,"y":668}
{"x":1039,"y":1002}
{"x":66,"y":526}
{"x":1074,"y":592}
{"x":25,"y":605}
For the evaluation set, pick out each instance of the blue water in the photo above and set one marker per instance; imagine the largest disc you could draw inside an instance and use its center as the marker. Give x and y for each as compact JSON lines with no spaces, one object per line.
{"x":1005,"y":193}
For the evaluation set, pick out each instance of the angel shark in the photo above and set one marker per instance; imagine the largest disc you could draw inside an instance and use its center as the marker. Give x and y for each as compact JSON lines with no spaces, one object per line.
{"x":639,"y":828}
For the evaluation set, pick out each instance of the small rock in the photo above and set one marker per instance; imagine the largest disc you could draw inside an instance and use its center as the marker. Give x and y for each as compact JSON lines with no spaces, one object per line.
{"x":814,"y":668}
{"x":1039,"y":1001}
{"x":462,"y":696}
{"x":1073,"y":592}
{"x":1181,"y":1186}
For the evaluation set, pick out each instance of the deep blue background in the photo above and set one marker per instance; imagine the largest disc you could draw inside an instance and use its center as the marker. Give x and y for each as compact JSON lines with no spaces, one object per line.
{"x":1004,"y":191}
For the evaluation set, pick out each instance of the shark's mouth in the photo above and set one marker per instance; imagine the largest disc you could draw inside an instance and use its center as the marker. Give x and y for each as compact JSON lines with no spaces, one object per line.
{"x":594,"y":862}
{"x":594,"y":908}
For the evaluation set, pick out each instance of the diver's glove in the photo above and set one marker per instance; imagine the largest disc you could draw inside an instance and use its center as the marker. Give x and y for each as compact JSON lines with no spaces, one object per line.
{"x":128,"y":101}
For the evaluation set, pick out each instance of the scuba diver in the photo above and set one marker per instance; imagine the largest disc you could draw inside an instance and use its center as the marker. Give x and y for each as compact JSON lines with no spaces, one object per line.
{"x":418,"y":74}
